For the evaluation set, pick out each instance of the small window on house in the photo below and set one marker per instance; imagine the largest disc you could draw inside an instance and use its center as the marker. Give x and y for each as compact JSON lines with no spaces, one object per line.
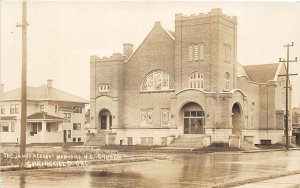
{"x":77,"y":109}
{"x":227,"y":82}
{"x":76,"y":126}
{"x":67,"y":117}
{"x":4,"y":126}
{"x":129,"y":141}
{"x":227,"y":51}
{"x":69,"y":133}
{"x":12,"y":109}
{"x":42,"y":108}
{"x":164,"y":141}
{"x":17,"y":109}
{"x":2,"y":109}
{"x":79,"y":139}
{"x":104,"y":88}
{"x":74,"y":139}
{"x":147,"y":117}
{"x":196,"y":81}
{"x":12,"y":126}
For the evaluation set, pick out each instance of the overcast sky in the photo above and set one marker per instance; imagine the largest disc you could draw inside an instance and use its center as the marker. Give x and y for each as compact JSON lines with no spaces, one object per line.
{"x":62,"y":35}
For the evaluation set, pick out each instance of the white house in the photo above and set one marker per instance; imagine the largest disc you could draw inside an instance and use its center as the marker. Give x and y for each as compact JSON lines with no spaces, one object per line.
{"x":53,"y":116}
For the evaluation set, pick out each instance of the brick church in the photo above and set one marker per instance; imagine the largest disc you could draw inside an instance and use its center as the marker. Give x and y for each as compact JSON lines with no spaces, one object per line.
{"x":186,"y":83}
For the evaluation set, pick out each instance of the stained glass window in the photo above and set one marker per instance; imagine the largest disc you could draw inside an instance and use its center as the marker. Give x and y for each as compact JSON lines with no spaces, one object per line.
{"x":157,"y":81}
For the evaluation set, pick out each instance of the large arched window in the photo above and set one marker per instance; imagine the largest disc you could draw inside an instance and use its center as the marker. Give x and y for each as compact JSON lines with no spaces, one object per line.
{"x":196,"y":81}
{"x":227,"y":82}
{"x":157,"y":81}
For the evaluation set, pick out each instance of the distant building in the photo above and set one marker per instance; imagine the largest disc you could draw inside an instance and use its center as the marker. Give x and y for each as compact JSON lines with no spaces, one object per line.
{"x":186,"y":83}
{"x":296,"y":124}
{"x":54,"y":116}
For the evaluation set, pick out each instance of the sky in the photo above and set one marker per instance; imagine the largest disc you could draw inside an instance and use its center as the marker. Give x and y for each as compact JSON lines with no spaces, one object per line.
{"x":62,"y":35}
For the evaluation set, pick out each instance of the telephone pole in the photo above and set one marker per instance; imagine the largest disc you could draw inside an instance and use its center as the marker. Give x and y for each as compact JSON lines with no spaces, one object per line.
{"x":23,"y":85}
{"x":287,"y":62}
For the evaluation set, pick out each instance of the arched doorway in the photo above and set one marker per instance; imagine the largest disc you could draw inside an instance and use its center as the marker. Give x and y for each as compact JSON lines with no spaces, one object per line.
{"x":236,"y":119}
{"x":193,"y":118}
{"x":105,"y":119}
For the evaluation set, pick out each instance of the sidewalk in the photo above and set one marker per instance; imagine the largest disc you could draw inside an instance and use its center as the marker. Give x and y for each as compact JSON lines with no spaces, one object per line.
{"x":291,"y":181}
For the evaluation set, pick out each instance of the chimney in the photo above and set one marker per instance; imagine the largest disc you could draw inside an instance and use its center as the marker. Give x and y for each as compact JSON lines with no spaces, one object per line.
{"x":127,"y":50}
{"x":49,"y":83}
{"x":1,"y":88}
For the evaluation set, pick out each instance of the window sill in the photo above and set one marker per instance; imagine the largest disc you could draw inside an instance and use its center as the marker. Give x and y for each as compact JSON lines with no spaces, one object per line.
{"x":158,"y":91}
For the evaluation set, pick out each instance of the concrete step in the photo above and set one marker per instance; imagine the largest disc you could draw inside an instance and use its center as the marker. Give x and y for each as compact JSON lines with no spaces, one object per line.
{"x":97,"y":140}
{"x":248,"y":145}
{"x":188,"y":141}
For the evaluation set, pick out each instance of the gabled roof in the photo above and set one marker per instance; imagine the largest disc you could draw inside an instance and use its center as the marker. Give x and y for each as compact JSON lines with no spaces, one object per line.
{"x":156,"y":26}
{"x":43,"y":116}
{"x":42,"y":93}
{"x":262,"y":73}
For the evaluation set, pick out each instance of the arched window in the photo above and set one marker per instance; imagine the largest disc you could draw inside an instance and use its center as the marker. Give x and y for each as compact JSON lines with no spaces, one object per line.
{"x":157,"y":81}
{"x":227,"y":82}
{"x":196,"y":81}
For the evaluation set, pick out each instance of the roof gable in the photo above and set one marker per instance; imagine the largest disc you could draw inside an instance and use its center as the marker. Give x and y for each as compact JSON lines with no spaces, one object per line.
{"x":155,"y":35}
{"x":262,"y":73}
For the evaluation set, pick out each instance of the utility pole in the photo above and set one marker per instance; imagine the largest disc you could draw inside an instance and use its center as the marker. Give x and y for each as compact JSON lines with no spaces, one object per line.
{"x":23,"y":85}
{"x":287,"y":62}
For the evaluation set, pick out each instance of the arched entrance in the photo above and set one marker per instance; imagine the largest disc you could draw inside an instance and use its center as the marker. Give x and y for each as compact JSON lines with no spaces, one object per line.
{"x":105,"y":119}
{"x":193,"y":118}
{"x":237,"y":119}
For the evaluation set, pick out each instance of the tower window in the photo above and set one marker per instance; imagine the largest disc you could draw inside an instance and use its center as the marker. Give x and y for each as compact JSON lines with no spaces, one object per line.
{"x":196,"y":81}
{"x":104,"y":88}
{"x":196,"y":52}
{"x":227,"y":82}
{"x":227,"y":51}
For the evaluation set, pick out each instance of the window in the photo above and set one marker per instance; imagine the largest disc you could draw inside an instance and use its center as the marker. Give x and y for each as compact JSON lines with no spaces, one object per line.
{"x":129,"y":141}
{"x":196,"y":81}
{"x":76,"y":126}
{"x":196,"y":52}
{"x":252,"y":114}
{"x":74,"y":139}
{"x":69,"y":133}
{"x":227,"y":51}
{"x":42,"y":108}
{"x":4,"y":127}
{"x":12,"y":109}
{"x":2,"y":109}
{"x":104,"y":88}
{"x":77,"y":109}
{"x":79,"y":139}
{"x":165,"y":117}
{"x":164,"y":141}
{"x":146,"y":141}
{"x":147,"y":117}
{"x":12,"y":126}
{"x":157,"y":81}
{"x":227,"y":82}
{"x":67,"y":117}
{"x":17,"y":109}
{"x":56,"y":108}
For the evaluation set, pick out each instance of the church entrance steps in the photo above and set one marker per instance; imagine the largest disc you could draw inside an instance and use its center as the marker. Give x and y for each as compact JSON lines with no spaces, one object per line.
{"x":97,"y":139}
{"x":188,"y":141}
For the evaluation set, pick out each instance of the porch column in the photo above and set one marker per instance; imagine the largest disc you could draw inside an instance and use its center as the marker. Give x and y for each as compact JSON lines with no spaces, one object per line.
{"x":43,"y":126}
{"x":107,"y":122}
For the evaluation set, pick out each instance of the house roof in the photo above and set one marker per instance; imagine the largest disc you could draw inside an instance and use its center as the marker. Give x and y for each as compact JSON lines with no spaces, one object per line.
{"x":8,"y":118}
{"x":262,"y":73}
{"x":43,"y":116}
{"x":42,"y":93}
